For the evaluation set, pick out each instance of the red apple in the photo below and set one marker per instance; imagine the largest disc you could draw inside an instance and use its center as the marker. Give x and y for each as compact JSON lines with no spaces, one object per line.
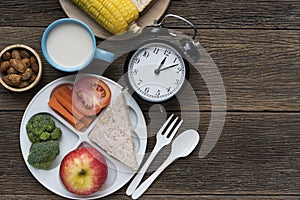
{"x":83,"y":171}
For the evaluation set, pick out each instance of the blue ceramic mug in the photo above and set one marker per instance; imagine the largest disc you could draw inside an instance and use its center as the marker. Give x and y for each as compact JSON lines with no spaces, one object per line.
{"x":69,"y":45}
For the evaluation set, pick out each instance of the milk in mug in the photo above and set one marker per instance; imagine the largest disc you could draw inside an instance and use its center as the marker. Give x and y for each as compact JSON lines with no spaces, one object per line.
{"x":69,"y":45}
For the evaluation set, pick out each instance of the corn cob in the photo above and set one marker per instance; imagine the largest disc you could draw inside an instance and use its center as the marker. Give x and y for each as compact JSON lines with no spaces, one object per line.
{"x":113,"y":15}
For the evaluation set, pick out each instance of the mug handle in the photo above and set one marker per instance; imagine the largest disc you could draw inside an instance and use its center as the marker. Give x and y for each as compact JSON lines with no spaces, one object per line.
{"x":104,"y":55}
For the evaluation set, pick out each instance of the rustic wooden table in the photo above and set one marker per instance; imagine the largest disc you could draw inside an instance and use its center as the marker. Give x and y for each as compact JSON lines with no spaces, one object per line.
{"x":256,"y":46}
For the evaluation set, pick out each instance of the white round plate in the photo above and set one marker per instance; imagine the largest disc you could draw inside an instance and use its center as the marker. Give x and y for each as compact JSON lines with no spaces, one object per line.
{"x":118,"y":173}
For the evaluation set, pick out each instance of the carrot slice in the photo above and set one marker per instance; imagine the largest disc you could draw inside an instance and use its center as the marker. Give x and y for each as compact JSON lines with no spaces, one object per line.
{"x":55,"y":105}
{"x":68,"y":105}
{"x":66,"y":92}
{"x":61,"y":101}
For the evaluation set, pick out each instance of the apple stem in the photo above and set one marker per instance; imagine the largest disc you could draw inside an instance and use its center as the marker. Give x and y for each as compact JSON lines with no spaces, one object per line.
{"x":82,"y":172}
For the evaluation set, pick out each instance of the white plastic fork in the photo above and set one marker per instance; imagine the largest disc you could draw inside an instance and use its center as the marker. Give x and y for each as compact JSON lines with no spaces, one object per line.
{"x":162,"y":140}
{"x":182,"y":146}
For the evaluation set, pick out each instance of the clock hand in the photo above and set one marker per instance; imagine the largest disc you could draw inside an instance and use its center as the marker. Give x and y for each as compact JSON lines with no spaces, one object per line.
{"x":168,"y":67}
{"x":156,"y":71}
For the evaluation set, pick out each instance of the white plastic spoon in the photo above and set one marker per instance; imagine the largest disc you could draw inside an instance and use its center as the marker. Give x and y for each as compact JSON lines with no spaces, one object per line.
{"x":182,"y":146}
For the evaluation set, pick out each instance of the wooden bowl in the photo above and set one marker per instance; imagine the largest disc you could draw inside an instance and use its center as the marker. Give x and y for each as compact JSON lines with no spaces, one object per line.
{"x":30,"y":82}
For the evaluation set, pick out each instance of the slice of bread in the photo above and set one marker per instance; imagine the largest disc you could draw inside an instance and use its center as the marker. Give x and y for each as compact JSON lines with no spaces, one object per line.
{"x":142,"y":4}
{"x":113,"y":132}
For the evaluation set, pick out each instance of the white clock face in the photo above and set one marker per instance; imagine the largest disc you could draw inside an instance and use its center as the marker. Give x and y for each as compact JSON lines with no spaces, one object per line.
{"x":156,"y":71}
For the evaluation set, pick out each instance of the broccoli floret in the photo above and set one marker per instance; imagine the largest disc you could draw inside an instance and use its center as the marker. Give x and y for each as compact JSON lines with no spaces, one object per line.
{"x":42,"y":154}
{"x":56,"y":133}
{"x":49,"y":124}
{"x":45,"y":136}
{"x":40,"y":128}
{"x":33,"y":138}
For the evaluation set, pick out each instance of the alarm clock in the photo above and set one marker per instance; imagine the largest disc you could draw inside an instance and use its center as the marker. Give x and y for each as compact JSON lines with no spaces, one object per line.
{"x":156,"y":71}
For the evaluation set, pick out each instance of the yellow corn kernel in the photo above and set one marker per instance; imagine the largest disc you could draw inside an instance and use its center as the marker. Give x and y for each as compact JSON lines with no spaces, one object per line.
{"x":114,"y":15}
{"x":128,"y":9}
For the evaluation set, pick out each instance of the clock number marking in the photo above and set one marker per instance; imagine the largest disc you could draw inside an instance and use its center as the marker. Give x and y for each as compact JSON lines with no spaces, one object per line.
{"x":168,"y":89}
{"x":177,"y":82}
{"x":147,"y":89}
{"x":174,"y":61}
{"x":135,"y":71}
{"x":137,"y":60}
{"x":146,"y":54}
{"x":179,"y":70}
{"x":156,"y":50}
{"x":158,"y":92}
{"x":167,"y":52}
{"x":139,"y":82}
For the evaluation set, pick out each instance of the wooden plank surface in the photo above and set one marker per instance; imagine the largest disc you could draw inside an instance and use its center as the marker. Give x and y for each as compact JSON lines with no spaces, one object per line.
{"x":166,"y":197}
{"x":260,"y":69}
{"x":257,"y":153}
{"x":256,"y":47}
{"x":262,"y":14}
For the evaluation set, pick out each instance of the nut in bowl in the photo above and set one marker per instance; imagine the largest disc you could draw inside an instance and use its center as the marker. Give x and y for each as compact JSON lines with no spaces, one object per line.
{"x":21,"y":68}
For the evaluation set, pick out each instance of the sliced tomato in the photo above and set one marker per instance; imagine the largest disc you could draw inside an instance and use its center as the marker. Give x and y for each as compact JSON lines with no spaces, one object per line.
{"x":90,"y":95}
